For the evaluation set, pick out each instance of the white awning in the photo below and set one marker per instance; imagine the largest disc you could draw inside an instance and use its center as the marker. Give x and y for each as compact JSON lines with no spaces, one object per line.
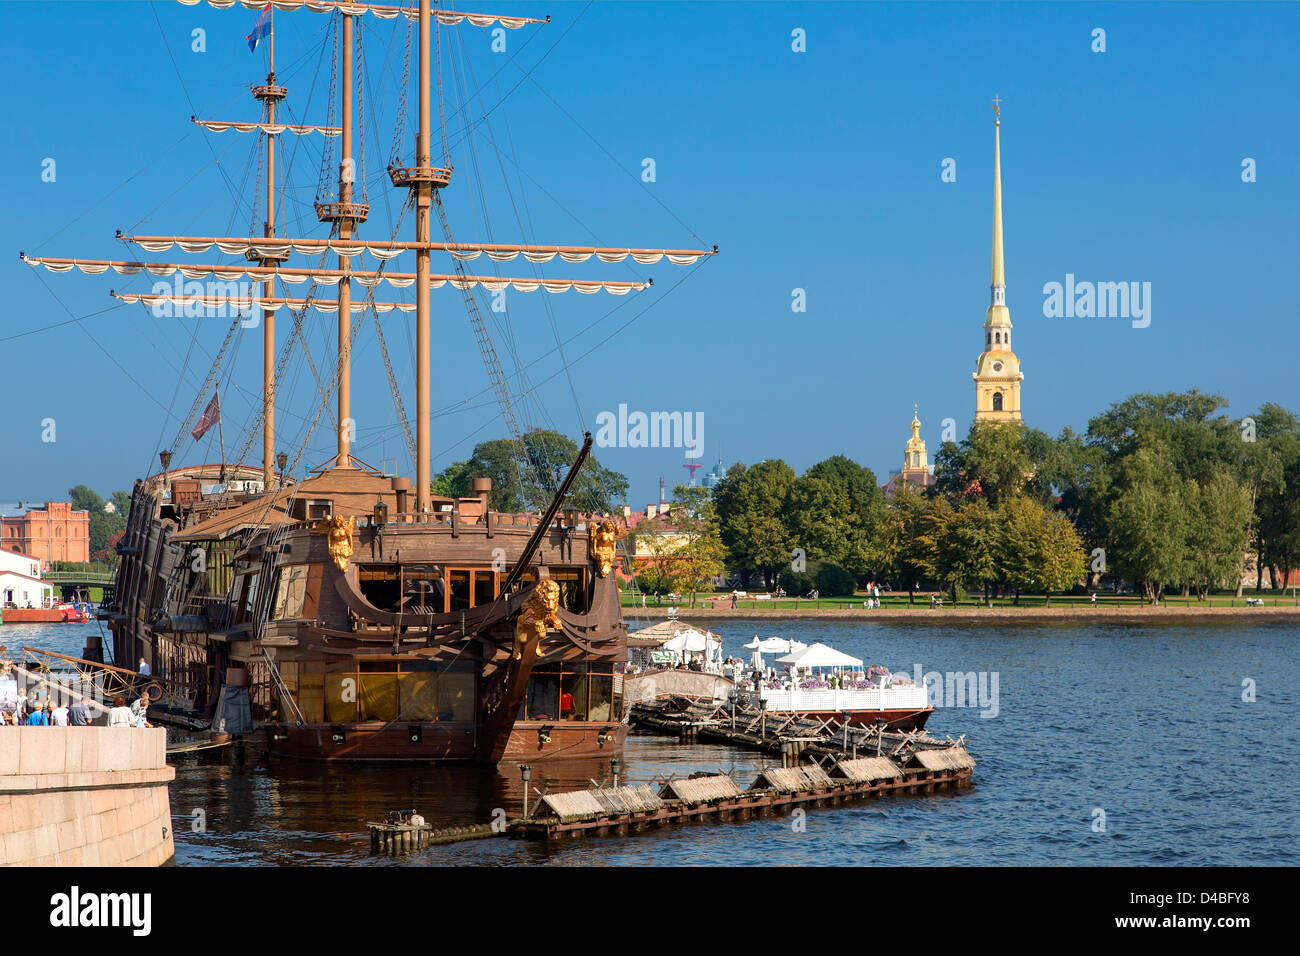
{"x":775,"y":645}
{"x":819,"y":655}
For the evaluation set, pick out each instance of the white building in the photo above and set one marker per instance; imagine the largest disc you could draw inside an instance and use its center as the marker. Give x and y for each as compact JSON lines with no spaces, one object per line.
{"x":20,"y":581}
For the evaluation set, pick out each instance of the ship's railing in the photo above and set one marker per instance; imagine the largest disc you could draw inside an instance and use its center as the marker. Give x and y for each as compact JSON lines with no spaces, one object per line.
{"x":451,"y":520}
{"x":495,"y":519}
{"x":833,"y":699}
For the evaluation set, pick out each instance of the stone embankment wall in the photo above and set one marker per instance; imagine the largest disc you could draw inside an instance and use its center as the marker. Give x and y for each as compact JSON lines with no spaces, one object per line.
{"x":84,"y":796}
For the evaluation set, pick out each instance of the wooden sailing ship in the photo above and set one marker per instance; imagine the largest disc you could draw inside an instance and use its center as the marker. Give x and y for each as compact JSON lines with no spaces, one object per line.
{"x":354,"y":615}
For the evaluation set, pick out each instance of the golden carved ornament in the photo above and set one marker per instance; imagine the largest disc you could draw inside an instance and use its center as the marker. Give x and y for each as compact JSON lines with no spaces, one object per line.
{"x":603,"y":537}
{"x":338,"y":531}
{"x":540,"y":612}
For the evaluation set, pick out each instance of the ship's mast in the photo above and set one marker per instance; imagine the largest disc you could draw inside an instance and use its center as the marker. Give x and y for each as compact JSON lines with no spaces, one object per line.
{"x":270,"y":94}
{"x":268,"y":315}
{"x":267,"y":256}
{"x":346,"y":176}
{"x":423,"y":201}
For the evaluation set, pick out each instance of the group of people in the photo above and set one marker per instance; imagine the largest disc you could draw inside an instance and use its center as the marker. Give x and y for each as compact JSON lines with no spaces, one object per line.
{"x":24,"y":711}
{"x":33,"y":711}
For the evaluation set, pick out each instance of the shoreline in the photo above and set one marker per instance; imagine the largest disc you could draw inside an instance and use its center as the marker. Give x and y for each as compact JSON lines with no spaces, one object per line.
{"x":975,"y":614}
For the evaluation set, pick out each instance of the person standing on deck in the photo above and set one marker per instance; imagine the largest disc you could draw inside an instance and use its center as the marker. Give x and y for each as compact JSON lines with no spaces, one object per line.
{"x":144,"y":668}
{"x":120,"y":715}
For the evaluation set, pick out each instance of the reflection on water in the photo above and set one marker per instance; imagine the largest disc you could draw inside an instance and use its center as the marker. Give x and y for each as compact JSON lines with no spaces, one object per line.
{"x":297,"y":812}
{"x":1145,"y":722}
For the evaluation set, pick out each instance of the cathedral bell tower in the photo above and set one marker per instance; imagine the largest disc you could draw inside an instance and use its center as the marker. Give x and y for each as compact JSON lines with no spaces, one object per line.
{"x":916,"y":463}
{"x":997,"y":371}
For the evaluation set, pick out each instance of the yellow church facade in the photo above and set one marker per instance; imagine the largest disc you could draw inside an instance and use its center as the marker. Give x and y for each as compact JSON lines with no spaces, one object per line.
{"x":997,"y":371}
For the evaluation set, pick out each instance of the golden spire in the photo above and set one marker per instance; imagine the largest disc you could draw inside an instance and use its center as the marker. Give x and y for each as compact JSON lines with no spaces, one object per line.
{"x":999,"y":278}
{"x":915,"y":460}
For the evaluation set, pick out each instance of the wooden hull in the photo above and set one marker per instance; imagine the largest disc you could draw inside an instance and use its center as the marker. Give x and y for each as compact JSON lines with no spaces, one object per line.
{"x":569,"y":740}
{"x":437,"y":742}
{"x":312,"y":650}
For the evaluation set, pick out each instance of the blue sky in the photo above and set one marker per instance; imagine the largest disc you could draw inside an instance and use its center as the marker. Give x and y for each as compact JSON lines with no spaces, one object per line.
{"x":817,"y":170}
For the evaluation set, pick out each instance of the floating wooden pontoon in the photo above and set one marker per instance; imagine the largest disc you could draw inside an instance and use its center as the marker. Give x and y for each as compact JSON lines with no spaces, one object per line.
{"x":718,"y":797}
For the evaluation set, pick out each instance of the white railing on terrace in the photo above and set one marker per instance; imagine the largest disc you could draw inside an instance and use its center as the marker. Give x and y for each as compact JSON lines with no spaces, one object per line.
{"x":889,"y":698}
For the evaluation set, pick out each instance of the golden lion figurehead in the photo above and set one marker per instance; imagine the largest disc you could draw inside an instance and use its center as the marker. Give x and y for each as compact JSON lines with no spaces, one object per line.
{"x":603,"y":536}
{"x":541,"y":611}
{"x":338,"y":532}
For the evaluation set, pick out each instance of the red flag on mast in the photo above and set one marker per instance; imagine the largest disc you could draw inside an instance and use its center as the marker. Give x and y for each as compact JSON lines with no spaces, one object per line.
{"x":211,"y":415}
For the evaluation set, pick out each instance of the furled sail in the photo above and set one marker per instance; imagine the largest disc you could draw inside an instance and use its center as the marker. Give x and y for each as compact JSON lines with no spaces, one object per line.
{"x":465,"y":251}
{"x":382,"y":11}
{"x":399,"y":280}
{"x":275,"y":129}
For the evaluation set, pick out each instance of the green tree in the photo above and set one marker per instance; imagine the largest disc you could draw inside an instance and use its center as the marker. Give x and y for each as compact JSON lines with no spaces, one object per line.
{"x":1146,"y":521}
{"x":861,"y":496}
{"x":1219,"y":514}
{"x":122,"y":502}
{"x":822,"y":521}
{"x":703,"y":557}
{"x":834,"y":581}
{"x":1059,"y":560}
{"x":525,"y":479}
{"x":897,"y":547}
{"x":968,"y":553}
{"x":454,"y":482}
{"x":752,"y":517}
{"x":991,"y":462}
{"x":102,"y":523}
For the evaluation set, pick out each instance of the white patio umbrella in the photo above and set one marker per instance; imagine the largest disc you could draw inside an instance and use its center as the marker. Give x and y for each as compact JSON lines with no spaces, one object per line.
{"x":691,"y":640}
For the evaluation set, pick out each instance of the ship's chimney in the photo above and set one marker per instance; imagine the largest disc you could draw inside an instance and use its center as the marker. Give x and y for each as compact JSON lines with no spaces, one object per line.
{"x":402,"y":488}
{"x":482,"y":487}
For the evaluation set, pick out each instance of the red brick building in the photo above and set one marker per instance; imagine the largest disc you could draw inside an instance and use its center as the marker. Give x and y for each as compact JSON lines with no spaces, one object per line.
{"x":52,"y":533}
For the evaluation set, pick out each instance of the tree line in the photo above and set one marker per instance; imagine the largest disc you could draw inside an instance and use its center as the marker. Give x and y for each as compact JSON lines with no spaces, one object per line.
{"x":1165,"y":491}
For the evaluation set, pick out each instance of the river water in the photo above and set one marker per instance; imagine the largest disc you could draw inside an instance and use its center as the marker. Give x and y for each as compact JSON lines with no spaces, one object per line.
{"x":1106,"y":744}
